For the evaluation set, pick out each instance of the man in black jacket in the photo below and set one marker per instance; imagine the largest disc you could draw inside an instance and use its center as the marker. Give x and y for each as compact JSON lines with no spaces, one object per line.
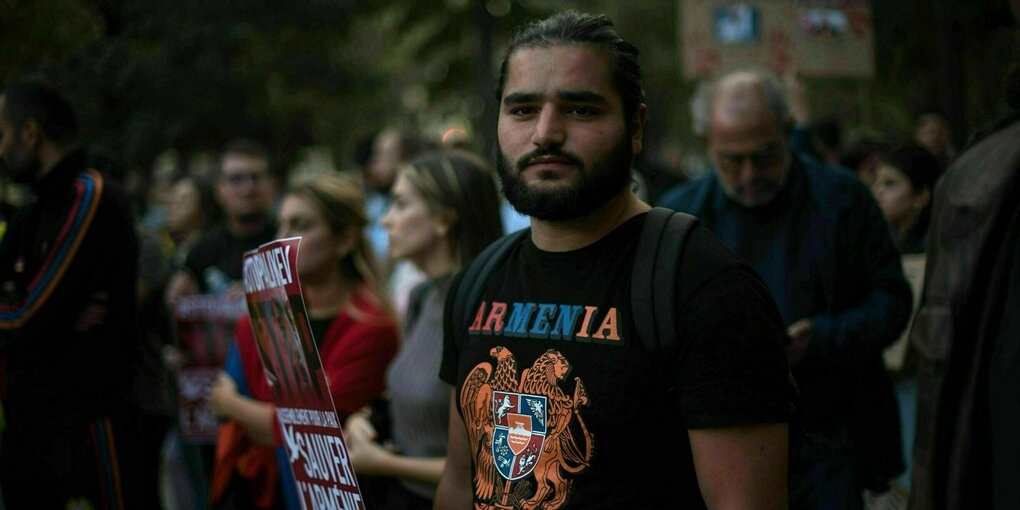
{"x":67,"y":296}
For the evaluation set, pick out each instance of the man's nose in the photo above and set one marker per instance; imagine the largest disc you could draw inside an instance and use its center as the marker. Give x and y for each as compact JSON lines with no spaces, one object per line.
{"x":748,"y":170}
{"x":549,"y":129}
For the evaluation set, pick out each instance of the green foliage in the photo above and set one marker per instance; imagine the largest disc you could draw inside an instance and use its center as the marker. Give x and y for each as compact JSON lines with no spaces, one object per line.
{"x":148,"y":75}
{"x":44,"y":33}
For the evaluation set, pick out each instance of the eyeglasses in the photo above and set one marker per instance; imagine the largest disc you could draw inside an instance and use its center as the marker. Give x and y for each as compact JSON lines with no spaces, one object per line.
{"x":770,"y":155}
{"x":235,"y":180}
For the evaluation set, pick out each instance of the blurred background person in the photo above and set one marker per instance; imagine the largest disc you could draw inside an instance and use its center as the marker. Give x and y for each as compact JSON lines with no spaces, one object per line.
{"x":966,"y":332}
{"x":445,"y":210}
{"x":905,"y":181}
{"x":192,"y":211}
{"x":932,"y":132}
{"x":353,"y":328}
{"x":151,"y":390}
{"x":863,"y":153}
{"x":68,"y":274}
{"x":390,"y":148}
{"x":245,"y":189}
{"x":192,"y":208}
{"x":817,"y":238}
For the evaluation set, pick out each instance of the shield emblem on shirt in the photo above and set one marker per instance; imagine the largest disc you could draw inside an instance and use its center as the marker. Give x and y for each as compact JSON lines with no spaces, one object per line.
{"x":520,"y":423}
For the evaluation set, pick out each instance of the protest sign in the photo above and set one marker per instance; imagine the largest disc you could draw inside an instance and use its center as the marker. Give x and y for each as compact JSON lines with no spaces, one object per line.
{"x":304,"y":405}
{"x":204,"y":326}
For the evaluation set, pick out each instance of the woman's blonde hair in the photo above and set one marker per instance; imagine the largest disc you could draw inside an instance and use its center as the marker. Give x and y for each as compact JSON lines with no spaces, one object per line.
{"x":341,"y":200}
{"x":462,"y":185}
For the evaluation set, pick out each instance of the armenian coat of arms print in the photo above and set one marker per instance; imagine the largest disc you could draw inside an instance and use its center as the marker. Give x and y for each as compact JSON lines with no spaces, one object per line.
{"x":528,"y":435}
{"x":519,"y":432}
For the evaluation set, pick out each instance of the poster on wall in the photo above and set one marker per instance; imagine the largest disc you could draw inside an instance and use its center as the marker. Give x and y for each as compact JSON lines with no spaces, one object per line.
{"x":304,"y":405}
{"x":820,"y":38}
{"x":204,"y":327}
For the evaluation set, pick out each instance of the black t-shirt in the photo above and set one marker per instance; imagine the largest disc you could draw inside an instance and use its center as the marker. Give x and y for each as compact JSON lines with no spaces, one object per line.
{"x":562,"y":401}
{"x":217,"y":257}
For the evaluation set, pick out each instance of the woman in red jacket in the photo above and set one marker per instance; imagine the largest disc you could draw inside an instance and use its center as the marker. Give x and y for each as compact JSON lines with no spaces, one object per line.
{"x":354,"y":330}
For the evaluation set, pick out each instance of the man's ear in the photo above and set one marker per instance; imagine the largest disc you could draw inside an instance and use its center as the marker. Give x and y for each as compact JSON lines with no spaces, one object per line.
{"x":637,"y":128}
{"x":31,"y":134}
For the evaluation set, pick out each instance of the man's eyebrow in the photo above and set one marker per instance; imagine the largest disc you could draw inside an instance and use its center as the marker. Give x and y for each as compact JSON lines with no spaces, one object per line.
{"x":520,"y":97}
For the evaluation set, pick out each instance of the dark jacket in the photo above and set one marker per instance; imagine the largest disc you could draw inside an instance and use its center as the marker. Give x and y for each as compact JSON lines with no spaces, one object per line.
{"x":825,"y":252}
{"x":73,"y":245}
{"x":954,"y":331}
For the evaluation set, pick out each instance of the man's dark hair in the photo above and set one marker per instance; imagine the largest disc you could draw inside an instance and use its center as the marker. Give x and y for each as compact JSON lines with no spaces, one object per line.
{"x":34,"y":98}
{"x":918,"y":164}
{"x":245,"y":147}
{"x":571,"y":27}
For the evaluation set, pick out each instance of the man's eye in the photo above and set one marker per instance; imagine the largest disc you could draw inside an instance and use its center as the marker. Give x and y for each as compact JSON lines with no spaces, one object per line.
{"x":582,"y":112}
{"x":522,"y":110}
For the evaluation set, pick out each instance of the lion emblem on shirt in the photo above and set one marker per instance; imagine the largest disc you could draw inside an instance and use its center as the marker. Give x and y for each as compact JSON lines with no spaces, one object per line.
{"x":519,"y":429}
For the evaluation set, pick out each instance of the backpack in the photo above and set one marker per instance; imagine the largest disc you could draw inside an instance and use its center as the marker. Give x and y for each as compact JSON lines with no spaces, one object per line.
{"x":652,"y":285}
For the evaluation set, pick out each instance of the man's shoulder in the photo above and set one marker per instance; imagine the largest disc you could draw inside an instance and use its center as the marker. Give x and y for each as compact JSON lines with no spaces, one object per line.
{"x":689,"y":196}
{"x":99,"y":210}
{"x":208,"y":247}
{"x":989,"y":164}
{"x":703,"y":257}
{"x":833,"y":188}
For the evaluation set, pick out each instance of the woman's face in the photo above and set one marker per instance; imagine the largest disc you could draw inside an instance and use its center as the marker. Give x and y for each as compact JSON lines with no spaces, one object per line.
{"x":321,"y":247}
{"x":895,"y":195}
{"x":415,"y":232}
{"x":184,"y":212}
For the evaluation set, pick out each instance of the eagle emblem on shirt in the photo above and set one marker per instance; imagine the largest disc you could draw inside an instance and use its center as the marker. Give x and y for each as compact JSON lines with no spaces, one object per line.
{"x":527,"y":435}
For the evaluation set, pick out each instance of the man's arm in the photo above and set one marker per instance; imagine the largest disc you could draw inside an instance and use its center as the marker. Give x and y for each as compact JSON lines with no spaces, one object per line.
{"x":883,"y":306}
{"x":455,"y":491}
{"x":182,"y":283}
{"x":742,"y":467}
{"x":76,"y":270}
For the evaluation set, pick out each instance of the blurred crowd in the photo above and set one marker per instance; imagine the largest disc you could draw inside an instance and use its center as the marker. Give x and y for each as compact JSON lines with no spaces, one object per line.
{"x":94,"y":266}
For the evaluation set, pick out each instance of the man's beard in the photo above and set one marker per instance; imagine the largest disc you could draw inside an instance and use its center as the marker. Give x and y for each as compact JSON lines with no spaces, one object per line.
{"x":594,"y":187}
{"x":20,"y":167}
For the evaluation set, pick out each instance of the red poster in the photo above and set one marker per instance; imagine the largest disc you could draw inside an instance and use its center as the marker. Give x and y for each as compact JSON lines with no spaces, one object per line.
{"x":205,"y":331}
{"x":304,"y":404}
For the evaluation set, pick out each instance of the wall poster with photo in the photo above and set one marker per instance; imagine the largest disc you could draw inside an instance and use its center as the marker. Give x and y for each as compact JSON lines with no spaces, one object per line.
{"x":821,"y":38}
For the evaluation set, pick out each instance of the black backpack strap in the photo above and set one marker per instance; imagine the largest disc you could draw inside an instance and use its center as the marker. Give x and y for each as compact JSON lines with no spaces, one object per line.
{"x":476,"y":275}
{"x":653,"y":278}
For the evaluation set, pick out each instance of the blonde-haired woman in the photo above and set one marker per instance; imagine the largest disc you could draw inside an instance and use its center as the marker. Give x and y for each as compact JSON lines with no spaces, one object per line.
{"x":445,"y":210}
{"x":353,"y":327}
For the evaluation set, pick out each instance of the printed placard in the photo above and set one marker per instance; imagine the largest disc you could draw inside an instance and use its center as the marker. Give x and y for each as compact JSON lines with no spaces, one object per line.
{"x":304,"y":405}
{"x":204,"y":325}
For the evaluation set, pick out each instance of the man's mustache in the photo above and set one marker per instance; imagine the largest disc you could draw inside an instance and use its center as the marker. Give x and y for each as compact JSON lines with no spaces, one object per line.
{"x":552,"y":152}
